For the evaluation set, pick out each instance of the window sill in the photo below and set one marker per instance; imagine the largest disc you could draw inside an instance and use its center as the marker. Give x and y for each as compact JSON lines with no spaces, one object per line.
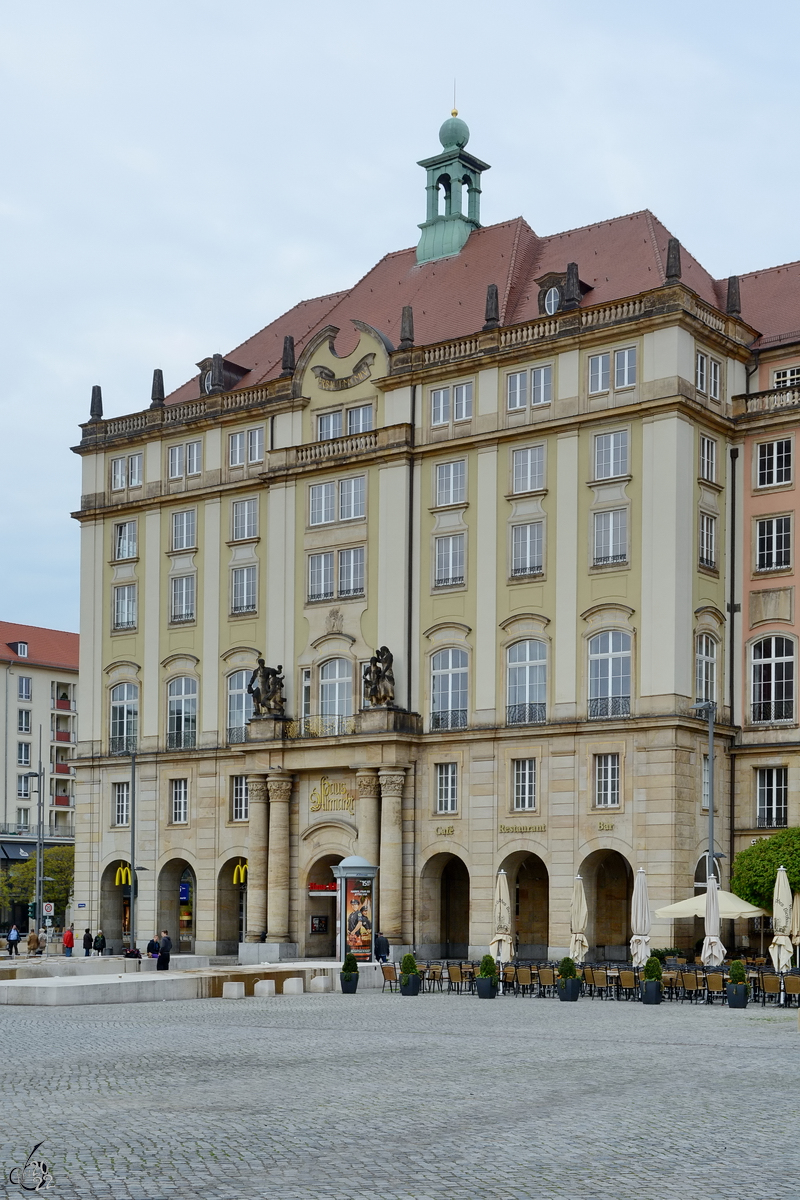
{"x":712,"y":572}
{"x":761,"y":489}
{"x":608,"y":808}
{"x":183,"y":550}
{"x":123,"y":629}
{"x":771,"y":572}
{"x":244,"y":612}
{"x":458,"y":504}
{"x":116,"y":562}
{"x":511,"y":496}
{"x":609,"y":479}
{"x":622,"y":564}
{"x":181,"y":622}
{"x":710,"y":483}
{"x":527,"y":577}
{"x":246,"y":541}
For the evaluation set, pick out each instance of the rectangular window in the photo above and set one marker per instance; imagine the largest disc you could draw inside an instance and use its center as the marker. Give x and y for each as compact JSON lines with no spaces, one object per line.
{"x":773,"y":543}
{"x":772,"y":797}
{"x":714,"y":379}
{"x":526,"y":549}
{"x":255,"y":445}
{"x":462,"y":401}
{"x":179,"y":789}
{"x":625,"y":367}
{"x":125,"y":540}
{"x":245,"y":519}
{"x":183,"y":530}
{"x":351,"y":572}
{"x":599,"y":372}
{"x":517,"y":390}
{"x":240,"y":799}
{"x":135,"y":470}
{"x":450,"y":560}
{"x":125,"y":606}
{"x":236,"y":449}
{"x":23,"y":754}
{"x":450,"y":481}
{"x":320,"y":577}
{"x":541,"y":385}
{"x":182,"y":598}
{"x":243,"y":590}
{"x":708,"y":541}
{"x":790,"y":377}
{"x":23,"y":818}
{"x":194,"y":458}
{"x":24,"y":687}
{"x":359,"y":420}
{"x":701,"y":374}
{"x":122,"y":800}
{"x":611,"y":454}
{"x":446,"y":787}
{"x":23,"y":787}
{"x":704,"y":801}
{"x":351,"y":498}
{"x":529,"y":469}
{"x":775,"y":463}
{"x":606,"y":780}
{"x":440,"y":406}
{"x":524,"y":783}
{"x":611,"y":537}
{"x":118,"y":480}
{"x":175,"y":462}
{"x":329,"y":426}
{"x":708,"y":459}
{"x":305,"y":692}
{"x":323,"y":503}
{"x":23,"y":720}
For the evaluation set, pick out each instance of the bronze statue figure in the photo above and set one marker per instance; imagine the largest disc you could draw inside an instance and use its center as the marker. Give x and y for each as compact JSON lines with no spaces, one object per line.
{"x":266,"y":688}
{"x":379,"y":678}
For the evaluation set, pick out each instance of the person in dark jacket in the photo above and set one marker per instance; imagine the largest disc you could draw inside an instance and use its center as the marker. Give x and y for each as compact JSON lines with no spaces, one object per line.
{"x":381,"y":948}
{"x":99,"y":943}
{"x":153,"y":947}
{"x":164,"y":951}
{"x":13,"y":942}
{"x":87,"y":943}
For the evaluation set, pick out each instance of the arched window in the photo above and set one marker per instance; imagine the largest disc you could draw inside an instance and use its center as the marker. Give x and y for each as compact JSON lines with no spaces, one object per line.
{"x":335,"y":694}
{"x":182,"y":713}
{"x":124,"y":718}
{"x":240,"y":706}
{"x":773,"y":680}
{"x":701,"y":873}
{"x":706,"y":668}
{"x":527,"y":683}
{"x":449,"y":689}
{"x":610,"y":674}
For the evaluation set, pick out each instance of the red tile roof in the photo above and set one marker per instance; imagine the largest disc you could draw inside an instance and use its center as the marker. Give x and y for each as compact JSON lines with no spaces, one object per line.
{"x":617,"y":258}
{"x":46,"y":647}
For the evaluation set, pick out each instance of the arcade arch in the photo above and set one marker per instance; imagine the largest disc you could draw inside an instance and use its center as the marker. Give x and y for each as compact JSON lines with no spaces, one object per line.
{"x":177,"y":895}
{"x":529,"y":888}
{"x":608,"y":881}
{"x":445,"y":907}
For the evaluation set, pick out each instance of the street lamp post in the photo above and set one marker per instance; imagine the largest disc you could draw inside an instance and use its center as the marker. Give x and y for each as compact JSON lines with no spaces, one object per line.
{"x":709,"y":708}
{"x":132,"y":940}
{"x":39,"y":878}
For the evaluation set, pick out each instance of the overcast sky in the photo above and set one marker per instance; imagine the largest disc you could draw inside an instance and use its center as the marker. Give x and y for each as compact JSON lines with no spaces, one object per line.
{"x":176,"y":175}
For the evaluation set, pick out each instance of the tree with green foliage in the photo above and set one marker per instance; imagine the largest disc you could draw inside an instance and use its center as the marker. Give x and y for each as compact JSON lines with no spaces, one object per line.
{"x":755,"y":869}
{"x":59,"y":865}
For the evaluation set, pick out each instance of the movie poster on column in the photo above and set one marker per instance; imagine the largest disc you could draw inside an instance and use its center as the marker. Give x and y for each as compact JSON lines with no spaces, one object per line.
{"x":358,"y":907}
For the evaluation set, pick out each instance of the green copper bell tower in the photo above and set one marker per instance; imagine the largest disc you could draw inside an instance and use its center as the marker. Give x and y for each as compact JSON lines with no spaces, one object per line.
{"x":449,"y":173}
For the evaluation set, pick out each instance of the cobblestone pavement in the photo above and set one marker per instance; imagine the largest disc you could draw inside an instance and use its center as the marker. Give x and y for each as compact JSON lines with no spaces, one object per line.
{"x":390,"y":1098}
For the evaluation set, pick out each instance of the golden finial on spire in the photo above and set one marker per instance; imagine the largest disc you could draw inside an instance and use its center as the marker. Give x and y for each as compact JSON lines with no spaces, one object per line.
{"x":454,"y":110}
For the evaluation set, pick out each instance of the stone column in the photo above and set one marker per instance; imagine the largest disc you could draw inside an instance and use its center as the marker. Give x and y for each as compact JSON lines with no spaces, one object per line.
{"x":257,"y":858}
{"x":390,"y":876}
{"x":368,"y":813}
{"x":280,"y":793}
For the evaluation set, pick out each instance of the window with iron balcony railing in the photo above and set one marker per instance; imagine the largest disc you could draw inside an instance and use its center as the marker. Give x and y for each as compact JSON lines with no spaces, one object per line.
{"x":449,"y":718}
{"x":526,"y":714}
{"x":185,"y":739}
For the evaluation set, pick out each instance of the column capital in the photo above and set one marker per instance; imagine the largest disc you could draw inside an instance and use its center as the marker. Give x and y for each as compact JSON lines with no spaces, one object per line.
{"x":279,"y":785}
{"x":367,"y":782}
{"x":392,"y":780}
{"x":257,"y":789}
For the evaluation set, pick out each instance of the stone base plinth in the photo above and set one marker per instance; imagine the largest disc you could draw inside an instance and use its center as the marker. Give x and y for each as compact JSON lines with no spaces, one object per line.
{"x":253,"y":953}
{"x":266,"y":729}
{"x":387,"y":720}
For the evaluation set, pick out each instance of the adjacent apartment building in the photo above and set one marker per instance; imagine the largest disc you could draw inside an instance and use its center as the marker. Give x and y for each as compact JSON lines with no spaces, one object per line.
{"x":536,"y":469}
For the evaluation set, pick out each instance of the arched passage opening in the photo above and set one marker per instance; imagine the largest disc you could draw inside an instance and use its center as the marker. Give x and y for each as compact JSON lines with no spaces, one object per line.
{"x":177,"y":895}
{"x":529,"y":886}
{"x":231,"y":905}
{"x":608,"y":881}
{"x":444,"y":911}
{"x":320,"y":932}
{"x":115,"y":905}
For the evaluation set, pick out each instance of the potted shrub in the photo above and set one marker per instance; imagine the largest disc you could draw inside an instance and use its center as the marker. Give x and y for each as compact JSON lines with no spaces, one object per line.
{"x":569,"y":985}
{"x":348,"y":976}
{"x":486,"y":981}
{"x":409,"y":976}
{"x":738,"y":989}
{"x":651,"y":985}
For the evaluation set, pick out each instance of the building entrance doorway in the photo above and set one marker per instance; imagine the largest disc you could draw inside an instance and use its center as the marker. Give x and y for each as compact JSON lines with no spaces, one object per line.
{"x":320,"y":930}
{"x":231,"y":905}
{"x":115,"y":905}
{"x":608,"y":881}
{"x":177,"y":889}
{"x":445,"y":907}
{"x":529,"y":887}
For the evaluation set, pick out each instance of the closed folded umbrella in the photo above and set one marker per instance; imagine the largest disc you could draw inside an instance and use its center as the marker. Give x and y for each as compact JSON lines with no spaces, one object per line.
{"x":795,"y":934}
{"x":501,"y":945}
{"x":730,"y":907}
{"x":578,"y":920}
{"x":780,"y":950}
{"x":640,"y":920}
{"x":713,"y":951}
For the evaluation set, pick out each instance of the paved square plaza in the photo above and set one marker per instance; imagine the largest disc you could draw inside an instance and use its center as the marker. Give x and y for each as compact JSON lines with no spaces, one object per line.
{"x":384,"y":1097}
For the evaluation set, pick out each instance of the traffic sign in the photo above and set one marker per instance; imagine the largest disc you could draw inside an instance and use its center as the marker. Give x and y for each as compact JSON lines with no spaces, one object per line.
{"x":48,"y":921}
{"x":48,"y":908}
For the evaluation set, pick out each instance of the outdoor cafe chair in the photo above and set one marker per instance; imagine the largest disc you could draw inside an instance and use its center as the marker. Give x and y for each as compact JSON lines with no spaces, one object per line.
{"x":689,"y":986}
{"x":588,"y":979}
{"x":509,"y":978}
{"x":434,"y":977}
{"x":770,"y":986}
{"x":389,"y":972}
{"x":547,"y":981}
{"x":715,"y":986}
{"x":524,"y":981}
{"x":626,"y":985}
{"x":602,"y":985}
{"x":791,"y":987}
{"x":455,"y":981}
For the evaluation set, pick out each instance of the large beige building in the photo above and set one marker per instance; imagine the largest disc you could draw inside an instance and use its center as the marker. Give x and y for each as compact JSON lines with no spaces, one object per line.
{"x":506,"y":458}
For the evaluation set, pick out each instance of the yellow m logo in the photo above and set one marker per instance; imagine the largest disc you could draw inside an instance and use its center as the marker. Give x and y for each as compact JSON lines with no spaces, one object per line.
{"x":123,"y":875}
{"x":240,"y":873}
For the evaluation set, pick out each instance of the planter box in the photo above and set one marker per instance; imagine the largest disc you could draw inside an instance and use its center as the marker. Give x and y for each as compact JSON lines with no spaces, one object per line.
{"x":487,"y":988}
{"x":348,"y":986}
{"x":568,"y":989}
{"x":737,"y":995}
{"x":652,"y":991}
{"x":411,"y":988}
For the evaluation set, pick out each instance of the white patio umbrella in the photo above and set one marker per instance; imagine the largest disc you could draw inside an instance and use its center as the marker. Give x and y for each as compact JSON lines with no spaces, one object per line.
{"x":713,"y":951}
{"x":730,"y":907}
{"x":640,"y":920}
{"x":780,"y":950}
{"x":795,"y":934}
{"x":578,"y":920}
{"x":501,"y":945}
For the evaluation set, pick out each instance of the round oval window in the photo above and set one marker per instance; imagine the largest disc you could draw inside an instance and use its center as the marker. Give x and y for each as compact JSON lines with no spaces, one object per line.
{"x":551,"y":301}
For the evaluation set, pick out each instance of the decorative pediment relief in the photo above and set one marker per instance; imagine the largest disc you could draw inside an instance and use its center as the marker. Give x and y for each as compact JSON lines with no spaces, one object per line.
{"x":708,"y":619}
{"x":341,"y":373}
{"x":329,"y":823}
{"x":180,"y":662}
{"x":447,"y":631}
{"x":240,"y":656}
{"x":122,"y":669}
{"x":334,"y":643}
{"x":607,"y":614}
{"x":522,"y":624}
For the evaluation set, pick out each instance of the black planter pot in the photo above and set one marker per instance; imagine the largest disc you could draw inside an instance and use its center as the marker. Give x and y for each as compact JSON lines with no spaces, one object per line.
{"x":737,"y":995}
{"x":651,"y":991}
{"x":569,"y":989}
{"x":350,"y":985}
{"x":411,"y":988}
{"x":487,"y":988}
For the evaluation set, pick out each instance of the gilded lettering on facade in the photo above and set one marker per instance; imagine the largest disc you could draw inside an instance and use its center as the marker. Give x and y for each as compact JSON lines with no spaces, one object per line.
{"x":328,"y":382}
{"x":523,"y":829}
{"x":605,"y":826}
{"x":445,"y":830}
{"x":332,"y":796}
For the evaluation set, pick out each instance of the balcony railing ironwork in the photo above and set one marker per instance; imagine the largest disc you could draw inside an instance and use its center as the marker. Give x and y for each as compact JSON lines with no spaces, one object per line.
{"x":450,"y":581}
{"x":610,"y":706}
{"x":122,"y":745}
{"x":772,"y":820}
{"x":526,"y":714}
{"x":237,"y":609}
{"x":708,"y":562}
{"x":765,"y":711}
{"x":449,"y":718}
{"x":31,"y":831}
{"x":533,"y":569}
{"x":182,"y":739}
{"x":328,"y":726}
{"x":603,"y":560}
{"x":237,"y":734}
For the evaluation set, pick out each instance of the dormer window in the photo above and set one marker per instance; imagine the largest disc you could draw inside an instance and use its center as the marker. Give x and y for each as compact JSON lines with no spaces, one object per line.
{"x":20,"y":649}
{"x":552,"y":301}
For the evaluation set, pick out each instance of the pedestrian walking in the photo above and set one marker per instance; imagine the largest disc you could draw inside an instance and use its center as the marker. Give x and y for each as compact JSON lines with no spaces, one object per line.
{"x":153,"y":946}
{"x":42,"y":941}
{"x":164,"y":951}
{"x":13,"y":942}
{"x":87,"y":943}
{"x":33,"y":943}
{"x":68,"y":941}
{"x":381,"y":948}
{"x":99,"y":944}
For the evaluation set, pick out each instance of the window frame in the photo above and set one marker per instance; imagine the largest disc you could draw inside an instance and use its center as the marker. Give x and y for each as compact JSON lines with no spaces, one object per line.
{"x":121,"y":804}
{"x":450,"y":483}
{"x":707,"y":468}
{"x":707,"y":545}
{"x":179,"y":610}
{"x":765,"y":559}
{"x":446,"y":788}
{"x":449,"y":717}
{"x":244,"y":581}
{"x":234,"y":706}
{"x":607,"y":783}
{"x":331,"y":416}
{"x":189,"y":516}
{"x":617,"y":534}
{"x":124,"y":613}
{"x":524,"y":772}
{"x":463,"y":400}
{"x":353,"y":592}
{"x":360,"y":408}
{"x":440,"y":404}
{"x":179,"y":801}
{"x":128,"y":543}
{"x":237,"y":439}
{"x":705,"y":667}
{"x":123,"y":717}
{"x":626,"y":363}
{"x":323,"y":569}
{"x":773,"y":468}
{"x":601,"y":374}
{"x":240,"y":800}
{"x":777,"y":802}
{"x":256,"y":434}
{"x":772,"y":681}
{"x":618,"y":454}
{"x":182,"y":712}
{"x":519,"y":570}
{"x":440,"y":581}
{"x":248,"y":510}
{"x":606,"y":687}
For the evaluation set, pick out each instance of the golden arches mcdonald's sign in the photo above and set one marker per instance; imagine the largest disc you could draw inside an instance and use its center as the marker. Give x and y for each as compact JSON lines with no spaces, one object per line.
{"x":240,"y":873}
{"x":123,"y":876}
